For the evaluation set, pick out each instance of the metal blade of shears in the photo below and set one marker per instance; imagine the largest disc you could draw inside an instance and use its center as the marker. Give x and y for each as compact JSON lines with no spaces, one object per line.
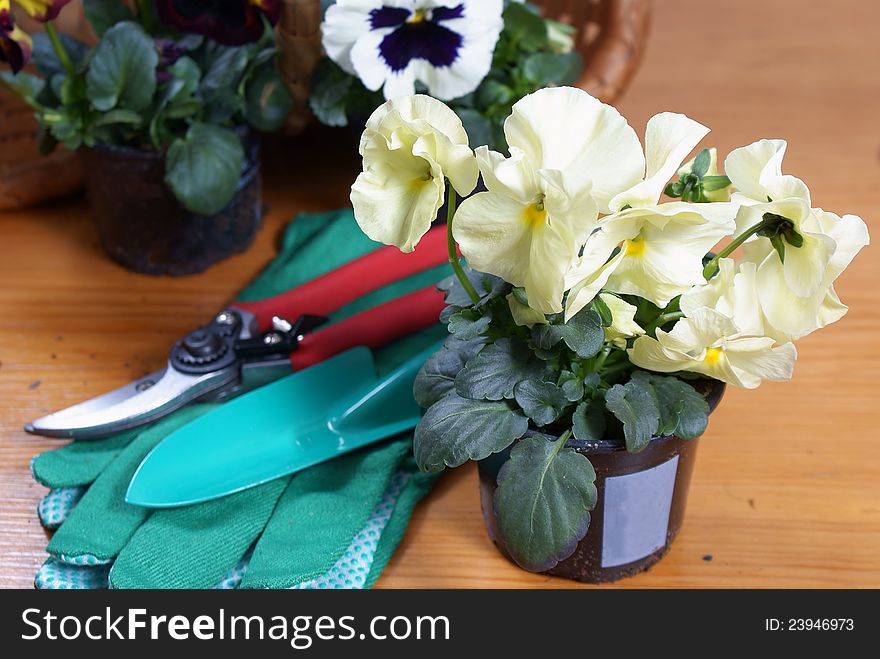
{"x":133,"y":405}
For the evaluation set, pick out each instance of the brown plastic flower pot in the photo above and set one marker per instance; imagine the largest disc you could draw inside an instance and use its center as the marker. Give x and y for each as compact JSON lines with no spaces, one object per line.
{"x":639,"y":508}
{"x":146,"y":229}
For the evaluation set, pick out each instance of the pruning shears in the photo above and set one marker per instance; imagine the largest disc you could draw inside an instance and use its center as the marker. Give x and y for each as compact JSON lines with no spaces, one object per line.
{"x":250,"y":344}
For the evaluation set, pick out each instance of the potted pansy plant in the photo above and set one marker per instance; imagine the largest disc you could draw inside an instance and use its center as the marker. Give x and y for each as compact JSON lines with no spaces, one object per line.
{"x":592,"y":330}
{"x":165,"y":110}
{"x":479,"y":56}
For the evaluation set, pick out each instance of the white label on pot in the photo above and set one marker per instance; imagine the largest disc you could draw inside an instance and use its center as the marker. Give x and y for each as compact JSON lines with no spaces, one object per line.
{"x":637,"y":513}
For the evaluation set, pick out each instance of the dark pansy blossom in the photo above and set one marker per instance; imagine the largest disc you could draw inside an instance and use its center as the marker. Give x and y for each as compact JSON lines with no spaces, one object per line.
{"x":15,"y":43}
{"x":446,"y":45}
{"x":42,"y":10}
{"x":229,"y":22}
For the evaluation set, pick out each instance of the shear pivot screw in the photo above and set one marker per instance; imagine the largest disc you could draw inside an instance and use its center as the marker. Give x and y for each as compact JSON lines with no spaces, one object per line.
{"x":272,"y":339}
{"x":225,"y":318}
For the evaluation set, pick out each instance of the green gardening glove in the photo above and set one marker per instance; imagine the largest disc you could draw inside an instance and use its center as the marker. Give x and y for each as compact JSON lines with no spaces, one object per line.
{"x":334,"y":525}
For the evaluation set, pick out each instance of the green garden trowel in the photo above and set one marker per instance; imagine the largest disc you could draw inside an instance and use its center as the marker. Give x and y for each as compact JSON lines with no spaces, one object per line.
{"x":312,"y":416}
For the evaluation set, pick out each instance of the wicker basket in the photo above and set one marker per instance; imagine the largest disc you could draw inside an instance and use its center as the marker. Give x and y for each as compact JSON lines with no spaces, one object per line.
{"x":26,"y":176}
{"x":611,"y":37}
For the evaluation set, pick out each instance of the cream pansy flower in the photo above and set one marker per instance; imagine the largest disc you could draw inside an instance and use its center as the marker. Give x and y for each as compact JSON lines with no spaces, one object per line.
{"x":410,"y":146}
{"x":569,"y":153}
{"x":623,"y":325}
{"x":732,"y":292}
{"x":709,"y":343}
{"x":796,"y":293}
{"x":447,"y":45}
{"x":788,"y":315}
{"x":662,"y":245}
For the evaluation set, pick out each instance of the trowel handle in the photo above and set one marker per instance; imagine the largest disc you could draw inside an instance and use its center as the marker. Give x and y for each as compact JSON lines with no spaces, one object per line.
{"x":374,"y":328}
{"x":386,"y":408}
{"x":330,"y":292}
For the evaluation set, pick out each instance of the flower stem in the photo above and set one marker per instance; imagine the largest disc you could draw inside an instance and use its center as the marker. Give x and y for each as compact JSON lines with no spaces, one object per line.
{"x":712,"y":266}
{"x":614,"y":368}
{"x":454,"y":261}
{"x":600,"y":360}
{"x":561,"y":442}
{"x":661,"y":320}
{"x":59,"y":49}
{"x":145,"y":15}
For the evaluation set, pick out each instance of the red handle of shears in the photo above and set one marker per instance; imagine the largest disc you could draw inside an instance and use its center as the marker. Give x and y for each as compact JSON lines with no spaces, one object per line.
{"x":373,"y":328}
{"x":332,"y":291}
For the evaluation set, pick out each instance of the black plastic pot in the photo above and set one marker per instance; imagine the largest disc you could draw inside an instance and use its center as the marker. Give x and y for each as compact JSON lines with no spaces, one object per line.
{"x":639,"y":510}
{"x":146,"y":229}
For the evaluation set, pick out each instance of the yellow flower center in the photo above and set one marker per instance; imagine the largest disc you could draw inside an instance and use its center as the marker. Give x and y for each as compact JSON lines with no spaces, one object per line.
{"x":712,"y":356}
{"x":418,"y":16}
{"x":535,"y":215}
{"x":635,"y":247}
{"x":421,"y":181}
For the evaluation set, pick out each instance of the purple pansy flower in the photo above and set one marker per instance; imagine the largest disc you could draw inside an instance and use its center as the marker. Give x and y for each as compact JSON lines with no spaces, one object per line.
{"x":446,"y":45}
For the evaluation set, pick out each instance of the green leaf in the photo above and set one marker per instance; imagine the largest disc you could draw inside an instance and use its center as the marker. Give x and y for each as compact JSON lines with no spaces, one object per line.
{"x":684,"y":412}
{"x":203,"y":168}
{"x":543,"y":502}
{"x":588,"y":420}
{"x":583,"y":334}
{"x":542,"y":402}
{"x":123,"y":69}
{"x":604,"y":312}
{"x":267,"y":101}
{"x":437,"y":377}
{"x":634,"y":405}
{"x":701,"y":163}
{"x":27,"y":86}
{"x":547,"y":69}
{"x":525,"y":27}
{"x":455,"y":430}
{"x":104,"y":14}
{"x":572,"y":386}
{"x":330,"y":90}
{"x":45,"y":58}
{"x":487,"y":286}
{"x":468,"y":324}
{"x":478,"y":127}
{"x":779,"y":245}
{"x":493,"y":93}
{"x":223,"y":70}
{"x":494,"y":373}
{"x":127,"y":117}
{"x":189,"y":74}
{"x":713,"y":183}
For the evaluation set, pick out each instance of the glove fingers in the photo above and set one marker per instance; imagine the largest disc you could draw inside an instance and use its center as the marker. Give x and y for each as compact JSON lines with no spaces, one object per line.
{"x":416,"y":486}
{"x":80,"y":462}
{"x":55,"y":575}
{"x":352,"y":570}
{"x":194,"y":546}
{"x":54,"y":508}
{"x":101,"y":523}
{"x":321,"y":511}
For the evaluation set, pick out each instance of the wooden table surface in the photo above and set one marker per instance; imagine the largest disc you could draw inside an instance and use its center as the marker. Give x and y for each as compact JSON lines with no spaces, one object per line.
{"x":786,"y":491}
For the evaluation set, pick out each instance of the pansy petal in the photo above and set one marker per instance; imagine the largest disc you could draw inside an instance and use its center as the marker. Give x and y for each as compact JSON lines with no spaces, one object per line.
{"x":668,"y":139}
{"x":568,"y":130}
{"x":804,"y":266}
{"x":344,"y":24}
{"x":493,"y":236}
{"x":394,"y":205}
